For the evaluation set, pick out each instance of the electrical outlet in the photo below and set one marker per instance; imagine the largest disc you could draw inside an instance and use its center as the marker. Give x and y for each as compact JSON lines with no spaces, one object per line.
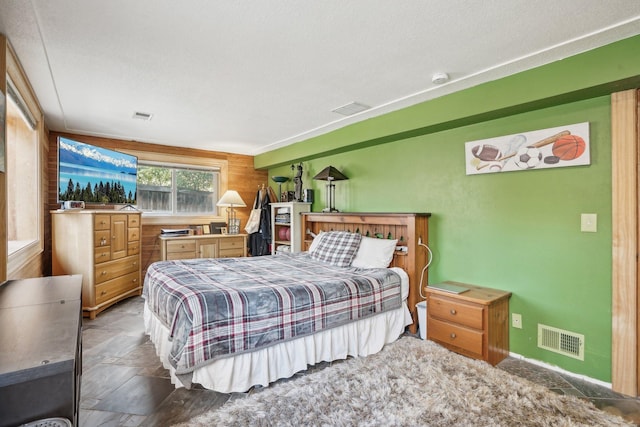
{"x":516,"y":320}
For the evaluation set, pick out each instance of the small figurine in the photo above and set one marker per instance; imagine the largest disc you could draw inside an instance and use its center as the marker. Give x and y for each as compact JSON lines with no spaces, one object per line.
{"x":297,"y":182}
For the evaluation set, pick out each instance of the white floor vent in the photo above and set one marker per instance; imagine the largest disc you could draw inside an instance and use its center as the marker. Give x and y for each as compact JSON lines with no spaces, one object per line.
{"x":560,"y":341}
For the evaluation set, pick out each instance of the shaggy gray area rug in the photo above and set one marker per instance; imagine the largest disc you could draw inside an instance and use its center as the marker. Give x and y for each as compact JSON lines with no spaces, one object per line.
{"x":411,"y":382}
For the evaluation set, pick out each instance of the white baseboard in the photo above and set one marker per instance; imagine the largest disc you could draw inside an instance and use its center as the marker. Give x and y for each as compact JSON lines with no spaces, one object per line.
{"x":560,"y":370}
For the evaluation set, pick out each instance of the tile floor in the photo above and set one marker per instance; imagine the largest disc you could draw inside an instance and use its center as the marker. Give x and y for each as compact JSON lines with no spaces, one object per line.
{"x":124,"y":383}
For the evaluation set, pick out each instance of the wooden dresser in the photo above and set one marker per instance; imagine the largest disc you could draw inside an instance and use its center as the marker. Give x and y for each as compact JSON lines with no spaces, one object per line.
{"x":473,"y":323}
{"x":409,"y":229}
{"x":103,"y":246}
{"x":203,"y":246}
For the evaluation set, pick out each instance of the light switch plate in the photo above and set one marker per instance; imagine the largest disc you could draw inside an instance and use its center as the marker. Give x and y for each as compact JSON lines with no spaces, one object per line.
{"x":589,"y":222}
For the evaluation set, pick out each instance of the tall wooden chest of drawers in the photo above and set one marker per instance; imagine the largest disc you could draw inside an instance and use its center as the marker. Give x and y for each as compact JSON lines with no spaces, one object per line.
{"x":473,"y":323}
{"x":103,"y":246}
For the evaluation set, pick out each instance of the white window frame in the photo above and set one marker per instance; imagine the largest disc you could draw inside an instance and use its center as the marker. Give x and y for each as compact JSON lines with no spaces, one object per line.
{"x":174,"y":185}
{"x":16,"y":77}
{"x":177,"y":160}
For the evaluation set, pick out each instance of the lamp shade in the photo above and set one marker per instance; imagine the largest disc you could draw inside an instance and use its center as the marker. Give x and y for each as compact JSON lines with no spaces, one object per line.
{"x":231,"y":198}
{"x":330,"y":174}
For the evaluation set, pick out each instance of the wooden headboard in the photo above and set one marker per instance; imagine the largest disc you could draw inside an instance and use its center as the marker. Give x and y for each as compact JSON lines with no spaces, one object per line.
{"x":406,"y":227}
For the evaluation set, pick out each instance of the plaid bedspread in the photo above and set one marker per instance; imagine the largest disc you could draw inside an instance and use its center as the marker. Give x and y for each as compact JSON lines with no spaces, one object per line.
{"x":218,"y":307}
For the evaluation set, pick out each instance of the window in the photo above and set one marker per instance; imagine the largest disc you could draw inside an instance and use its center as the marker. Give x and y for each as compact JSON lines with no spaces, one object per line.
{"x":177,"y":190}
{"x":23,"y":175}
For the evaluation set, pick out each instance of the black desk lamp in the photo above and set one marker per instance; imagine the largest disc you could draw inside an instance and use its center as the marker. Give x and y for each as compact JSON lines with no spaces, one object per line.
{"x":330,"y":174}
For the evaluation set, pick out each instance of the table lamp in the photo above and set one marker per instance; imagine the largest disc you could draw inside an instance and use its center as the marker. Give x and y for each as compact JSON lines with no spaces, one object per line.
{"x":330,"y":174}
{"x":231,"y":199}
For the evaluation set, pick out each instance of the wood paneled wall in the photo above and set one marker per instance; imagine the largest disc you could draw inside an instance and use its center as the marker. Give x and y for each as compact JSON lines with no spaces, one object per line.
{"x":241,"y":176}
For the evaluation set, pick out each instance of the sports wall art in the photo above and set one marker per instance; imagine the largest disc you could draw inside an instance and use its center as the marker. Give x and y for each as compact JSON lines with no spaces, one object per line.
{"x":547,"y":148}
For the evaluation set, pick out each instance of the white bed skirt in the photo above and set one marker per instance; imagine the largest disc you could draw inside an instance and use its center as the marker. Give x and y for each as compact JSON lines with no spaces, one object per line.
{"x":261,"y":367}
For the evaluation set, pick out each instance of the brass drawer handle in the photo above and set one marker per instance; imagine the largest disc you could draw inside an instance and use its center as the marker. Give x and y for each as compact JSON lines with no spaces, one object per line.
{"x":453,"y":311}
{"x":453,"y":335}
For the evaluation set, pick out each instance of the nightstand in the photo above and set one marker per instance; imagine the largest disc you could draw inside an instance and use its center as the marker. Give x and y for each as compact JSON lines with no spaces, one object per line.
{"x":473,"y":323}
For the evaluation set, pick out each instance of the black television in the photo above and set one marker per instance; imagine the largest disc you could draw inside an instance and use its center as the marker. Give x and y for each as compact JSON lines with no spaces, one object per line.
{"x":95,"y":175}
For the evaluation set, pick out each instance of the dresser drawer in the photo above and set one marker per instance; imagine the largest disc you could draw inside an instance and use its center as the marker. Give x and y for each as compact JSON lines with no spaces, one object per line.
{"x":133,"y":248}
{"x":115,"y":287}
{"x":112,"y":269}
{"x":453,"y":335}
{"x":455,"y":311}
{"x":181,"y":246}
{"x":133,"y":221}
{"x":102,"y":254}
{"x":231,"y":243}
{"x":102,"y":222}
{"x":181,"y":255}
{"x":231,"y":253}
{"x":133,"y":234}
{"x":101,"y":238}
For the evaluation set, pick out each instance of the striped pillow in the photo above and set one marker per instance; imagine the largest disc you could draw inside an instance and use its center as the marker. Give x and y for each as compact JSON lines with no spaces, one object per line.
{"x":336,"y":247}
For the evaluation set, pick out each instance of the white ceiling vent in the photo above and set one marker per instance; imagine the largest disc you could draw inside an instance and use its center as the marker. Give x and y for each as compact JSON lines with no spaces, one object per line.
{"x":560,"y":341}
{"x":142,"y":116}
{"x":351,"y":109}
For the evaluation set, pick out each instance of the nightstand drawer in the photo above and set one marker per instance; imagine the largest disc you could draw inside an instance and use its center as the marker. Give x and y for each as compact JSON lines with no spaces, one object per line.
{"x":456,"y":312}
{"x":457,"y":336}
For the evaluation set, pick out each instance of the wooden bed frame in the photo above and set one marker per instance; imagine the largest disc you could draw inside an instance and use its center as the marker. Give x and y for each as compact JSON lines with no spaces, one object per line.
{"x":408,"y":228}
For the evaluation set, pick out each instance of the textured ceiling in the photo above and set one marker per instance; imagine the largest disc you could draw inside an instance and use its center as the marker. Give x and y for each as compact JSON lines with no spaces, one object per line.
{"x":250,"y":76}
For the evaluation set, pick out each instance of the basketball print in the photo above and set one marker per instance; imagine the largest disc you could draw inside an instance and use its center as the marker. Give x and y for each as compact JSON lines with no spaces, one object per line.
{"x":569,"y":147}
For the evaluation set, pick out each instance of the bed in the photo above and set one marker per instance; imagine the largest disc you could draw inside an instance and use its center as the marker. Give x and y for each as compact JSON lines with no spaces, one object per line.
{"x":233,"y":323}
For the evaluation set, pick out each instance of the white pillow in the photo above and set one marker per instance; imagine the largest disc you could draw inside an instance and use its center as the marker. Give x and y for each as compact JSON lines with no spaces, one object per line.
{"x":314,"y":242}
{"x":374,"y":253}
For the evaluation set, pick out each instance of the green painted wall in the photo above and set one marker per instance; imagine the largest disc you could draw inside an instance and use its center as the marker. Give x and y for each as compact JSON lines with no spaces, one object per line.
{"x":518,"y":231}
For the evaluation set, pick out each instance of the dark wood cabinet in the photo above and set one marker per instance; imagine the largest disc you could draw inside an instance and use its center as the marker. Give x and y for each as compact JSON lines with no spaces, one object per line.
{"x":41,"y":351}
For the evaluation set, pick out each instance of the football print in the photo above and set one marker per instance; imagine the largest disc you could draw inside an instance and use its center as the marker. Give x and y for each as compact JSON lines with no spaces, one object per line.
{"x":528,"y":157}
{"x":486,"y":152}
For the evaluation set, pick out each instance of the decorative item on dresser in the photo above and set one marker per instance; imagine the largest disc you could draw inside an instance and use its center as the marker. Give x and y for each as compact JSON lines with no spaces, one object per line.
{"x":103,"y":246}
{"x":408,"y":228}
{"x":41,"y":358}
{"x":231,"y":199}
{"x":203,"y":246}
{"x":473,"y":322}
{"x":285,"y":226}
